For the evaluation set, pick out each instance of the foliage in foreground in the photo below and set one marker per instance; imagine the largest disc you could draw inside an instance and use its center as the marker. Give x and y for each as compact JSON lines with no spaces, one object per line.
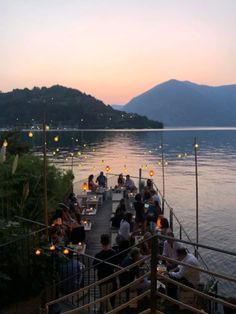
{"x":22,"y":192}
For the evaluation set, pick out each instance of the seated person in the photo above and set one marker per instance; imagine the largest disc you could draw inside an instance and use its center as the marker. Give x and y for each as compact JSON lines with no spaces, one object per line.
{"x":91,"y":184}
{"x":121,"y":181}
{"x":170,"y":250}
{"x":73,"y":204}
{"x":129,"y":184}
{"x":101,"y":180}
{"x":184,"y":274}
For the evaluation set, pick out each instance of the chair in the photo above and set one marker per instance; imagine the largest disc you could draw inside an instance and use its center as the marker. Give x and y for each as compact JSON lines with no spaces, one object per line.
{"x":77,"y":235}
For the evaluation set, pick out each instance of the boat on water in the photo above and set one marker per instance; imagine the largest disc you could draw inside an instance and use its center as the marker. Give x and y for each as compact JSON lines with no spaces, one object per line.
{"x":81,"y":292}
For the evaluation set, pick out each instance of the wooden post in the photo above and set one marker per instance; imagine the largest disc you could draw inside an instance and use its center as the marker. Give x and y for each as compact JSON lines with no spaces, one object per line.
{"x":154,"y":250}
{"x":45,"y":198}
{"x":196,"y":180}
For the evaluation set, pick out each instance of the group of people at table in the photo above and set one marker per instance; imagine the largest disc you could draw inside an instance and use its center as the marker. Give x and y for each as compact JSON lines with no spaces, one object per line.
{"x":147,"y":207}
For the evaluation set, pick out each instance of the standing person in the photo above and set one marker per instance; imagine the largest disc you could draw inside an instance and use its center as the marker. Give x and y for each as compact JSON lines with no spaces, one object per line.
{"x":140,"y":216}
{"x":91,"y":184}
{"x":101,"y":180}
{"x":104,"y":270}
{"x":124,"y":233}
{"x":70,"y":274}
{"x":184,"y":274}
{"x":129,"y":276}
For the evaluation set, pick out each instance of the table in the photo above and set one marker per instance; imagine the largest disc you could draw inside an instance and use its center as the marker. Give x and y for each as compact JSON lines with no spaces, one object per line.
{"x":89,"y":211}
{"x":87,"y":224}
{"x":78,"y":248}
{"x":94,"y":200}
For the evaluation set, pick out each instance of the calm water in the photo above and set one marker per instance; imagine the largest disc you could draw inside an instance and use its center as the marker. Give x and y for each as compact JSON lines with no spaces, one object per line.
{"x":127,"y":151}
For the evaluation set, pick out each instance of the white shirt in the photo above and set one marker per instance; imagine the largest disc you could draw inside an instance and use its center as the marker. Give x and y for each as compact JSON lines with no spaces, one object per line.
{"x":129,"y":183}
{"x":124,"y":230}
{"x":192,"y":275}
{"x":169,"y":251}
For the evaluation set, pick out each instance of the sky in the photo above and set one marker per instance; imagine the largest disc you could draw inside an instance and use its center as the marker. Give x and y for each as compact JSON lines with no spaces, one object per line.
{"x":115,"y":50}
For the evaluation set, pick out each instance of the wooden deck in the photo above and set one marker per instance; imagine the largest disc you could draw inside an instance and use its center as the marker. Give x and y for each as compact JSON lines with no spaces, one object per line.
{"x":100,"y":225}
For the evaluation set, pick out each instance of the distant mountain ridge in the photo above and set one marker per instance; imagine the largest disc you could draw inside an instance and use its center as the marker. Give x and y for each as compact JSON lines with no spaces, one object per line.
{"x":183,"y":103}
{"x":65,"y":107}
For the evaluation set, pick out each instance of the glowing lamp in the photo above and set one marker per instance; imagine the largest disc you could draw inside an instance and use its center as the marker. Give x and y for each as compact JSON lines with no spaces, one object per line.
{"x":196,"y":146}
{"x":151,"y":173}
{"x":56,"y":138}
{"x":159,"y":222}
{"x":84,"y":187}
{"x":37,"y":252}
{"x":108,"y":168}
{"x":52,"y":247}
{"x":30,"y":134}
{"x":5,"y":144}
{"x":47,"y":128}
{"x":65,"y":251}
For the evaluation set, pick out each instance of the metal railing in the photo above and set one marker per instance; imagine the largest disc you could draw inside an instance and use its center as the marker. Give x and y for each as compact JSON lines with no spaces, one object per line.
{"x":208,"y":300}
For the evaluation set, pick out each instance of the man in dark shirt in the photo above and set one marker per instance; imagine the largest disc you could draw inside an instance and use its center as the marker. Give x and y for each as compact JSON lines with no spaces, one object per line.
{"x":104,"y":270}
{"x":101,"y":180}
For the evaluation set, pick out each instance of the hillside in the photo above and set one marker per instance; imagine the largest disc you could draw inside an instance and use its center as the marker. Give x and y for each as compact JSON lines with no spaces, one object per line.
{"x":182,"y":103}
{"x":64,"y":107}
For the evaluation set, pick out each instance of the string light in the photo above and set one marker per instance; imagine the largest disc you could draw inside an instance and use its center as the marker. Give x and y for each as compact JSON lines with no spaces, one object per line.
{"x":37,"y":252}
{"x":65,"y":251}
{"x":151,"y":173}
{"x":52,"y":247}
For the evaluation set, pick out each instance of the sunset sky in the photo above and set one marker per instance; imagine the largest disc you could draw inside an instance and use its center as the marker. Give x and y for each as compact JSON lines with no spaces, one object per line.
{"x":116,"y":49}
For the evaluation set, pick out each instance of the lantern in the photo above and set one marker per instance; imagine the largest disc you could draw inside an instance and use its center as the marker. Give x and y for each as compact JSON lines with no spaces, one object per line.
{"x":151,"y":173}
{"x":52,"y":247}
{"x":84,"y":187}
{"x":65,"y":251}
{"x":37,"y":252}
{"x":108,"y":168}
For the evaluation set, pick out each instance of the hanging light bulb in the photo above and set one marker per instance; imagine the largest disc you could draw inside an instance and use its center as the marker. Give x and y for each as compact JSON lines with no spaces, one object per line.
{"x":5,"y":144}
{"x":56,"y":138}
{"x":52,"y":247}
{"x":30,"y":134}
{"x":37,"y":252}
{"x":151,"y":173}
{"x":65,"y":251}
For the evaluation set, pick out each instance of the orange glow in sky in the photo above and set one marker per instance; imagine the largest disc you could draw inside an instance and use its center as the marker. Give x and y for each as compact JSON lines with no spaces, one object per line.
{"x":115,"y":50}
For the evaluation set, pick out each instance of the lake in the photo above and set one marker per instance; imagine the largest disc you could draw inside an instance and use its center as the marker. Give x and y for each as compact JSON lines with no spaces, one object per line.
{"x":128,"y":150}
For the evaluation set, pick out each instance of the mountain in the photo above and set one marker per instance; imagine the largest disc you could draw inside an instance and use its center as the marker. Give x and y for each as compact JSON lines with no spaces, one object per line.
{"x":64,"y":107}
{"x":117,"y":107}
{"x":183,"y":103}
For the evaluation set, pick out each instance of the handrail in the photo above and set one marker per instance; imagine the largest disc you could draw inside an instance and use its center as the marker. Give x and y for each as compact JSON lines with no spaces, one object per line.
{"x":181,"y":227}
{"x":29,"y":220}
{"x":23,"y":237}
{"x":211,"y":298}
